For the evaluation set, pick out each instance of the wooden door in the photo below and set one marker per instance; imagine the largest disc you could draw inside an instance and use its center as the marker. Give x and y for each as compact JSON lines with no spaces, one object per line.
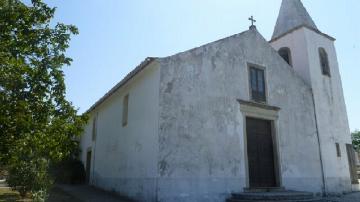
{"x":88,"y":166}
{"x":260,"y":153}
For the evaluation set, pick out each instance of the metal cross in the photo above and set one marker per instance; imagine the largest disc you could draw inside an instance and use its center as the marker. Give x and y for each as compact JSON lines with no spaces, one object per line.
{"x":252,"y":20}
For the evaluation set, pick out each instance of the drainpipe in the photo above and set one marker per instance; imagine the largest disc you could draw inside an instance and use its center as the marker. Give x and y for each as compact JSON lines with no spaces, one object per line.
{"x":319,"y":142}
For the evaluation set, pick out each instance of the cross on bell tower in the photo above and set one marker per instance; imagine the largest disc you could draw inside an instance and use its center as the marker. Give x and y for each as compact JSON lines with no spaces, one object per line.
{"x":252,"y":19}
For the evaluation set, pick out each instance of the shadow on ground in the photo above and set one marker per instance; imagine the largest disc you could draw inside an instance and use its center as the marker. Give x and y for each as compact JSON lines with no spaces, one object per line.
{"x":58,"y":195}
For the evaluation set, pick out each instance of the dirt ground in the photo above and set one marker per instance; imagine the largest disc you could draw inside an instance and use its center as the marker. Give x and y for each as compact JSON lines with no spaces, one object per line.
{"x":56,"y":195}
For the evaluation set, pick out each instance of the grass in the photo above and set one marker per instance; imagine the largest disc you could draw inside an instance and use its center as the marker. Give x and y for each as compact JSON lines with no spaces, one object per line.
{"x":7,"y":194}
{"x":56,"y":195}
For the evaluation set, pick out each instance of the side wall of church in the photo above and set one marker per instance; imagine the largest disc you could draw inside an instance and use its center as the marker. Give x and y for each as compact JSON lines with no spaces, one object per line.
{"x":124,"y":158}
{"x":201,"y":133}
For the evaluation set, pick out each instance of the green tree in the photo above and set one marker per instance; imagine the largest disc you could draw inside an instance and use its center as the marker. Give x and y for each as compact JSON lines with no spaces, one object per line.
{"x":37,"y":124}
{"x":356,"y":140}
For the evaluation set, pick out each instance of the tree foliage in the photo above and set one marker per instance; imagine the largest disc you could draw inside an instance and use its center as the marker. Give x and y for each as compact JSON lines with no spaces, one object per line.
{"x":356,"y":140}
{"x":37,"y":124}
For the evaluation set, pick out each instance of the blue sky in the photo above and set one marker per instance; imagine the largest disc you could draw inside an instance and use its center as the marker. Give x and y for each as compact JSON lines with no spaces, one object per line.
{"x":116,"y":35}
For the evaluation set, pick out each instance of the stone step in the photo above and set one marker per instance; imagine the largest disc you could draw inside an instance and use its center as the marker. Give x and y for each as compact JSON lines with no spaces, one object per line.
{"x":264,"y":189}
{"x":283,"y":196}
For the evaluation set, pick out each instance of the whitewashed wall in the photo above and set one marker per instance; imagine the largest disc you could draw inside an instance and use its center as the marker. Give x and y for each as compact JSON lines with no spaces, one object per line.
{"x":331,"y":110}
{"x":125,"y":158}
{"x":201,"y":126}
{"x":329,"y":101}
{"x":185,"y":135}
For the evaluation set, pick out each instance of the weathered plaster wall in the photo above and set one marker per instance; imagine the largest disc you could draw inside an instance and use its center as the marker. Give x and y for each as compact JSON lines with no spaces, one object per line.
{"x":329,"y":100}
{"x":201,"y":138}
{"x":297,"y":44}
{"x":187,"y":142}
{"x":331,"y":110}
{"x":125,"y":158}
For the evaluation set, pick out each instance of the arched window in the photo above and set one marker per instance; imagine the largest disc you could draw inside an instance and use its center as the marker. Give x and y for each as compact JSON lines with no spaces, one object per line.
{"x":324,"y":62}
{"x":285,"y":53}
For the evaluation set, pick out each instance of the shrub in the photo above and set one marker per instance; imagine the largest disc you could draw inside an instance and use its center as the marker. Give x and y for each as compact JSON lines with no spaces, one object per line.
{"x":40,"y":196}
{"x":29,"y":176}
{"x":356,"y":140}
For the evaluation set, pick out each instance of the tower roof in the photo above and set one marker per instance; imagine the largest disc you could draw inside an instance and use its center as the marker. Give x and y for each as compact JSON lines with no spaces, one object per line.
{"x":292,"y":15}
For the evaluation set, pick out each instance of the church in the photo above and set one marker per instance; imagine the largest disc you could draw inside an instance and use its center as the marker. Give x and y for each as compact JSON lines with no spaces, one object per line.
{"x":236,"y":115}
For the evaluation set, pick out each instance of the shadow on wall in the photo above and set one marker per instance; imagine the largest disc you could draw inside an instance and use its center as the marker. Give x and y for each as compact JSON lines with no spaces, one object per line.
{"x":69,"y":171}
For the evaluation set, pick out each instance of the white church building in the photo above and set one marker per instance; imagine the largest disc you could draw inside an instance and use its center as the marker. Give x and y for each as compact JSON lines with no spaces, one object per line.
{"x":239,"y":114}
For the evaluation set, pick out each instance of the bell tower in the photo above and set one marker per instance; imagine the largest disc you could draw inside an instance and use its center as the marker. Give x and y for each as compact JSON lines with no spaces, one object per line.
{"x":312,"y":55}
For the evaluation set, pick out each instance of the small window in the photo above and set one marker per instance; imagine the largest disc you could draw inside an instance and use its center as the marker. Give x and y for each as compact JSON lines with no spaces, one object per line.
{"x":125,"y":110}
{"x":285,"y":53}
{"x":94,"y":128}
{"x":324,"y":62}
{"x":257,"y":84}
{"x":338,"y":151}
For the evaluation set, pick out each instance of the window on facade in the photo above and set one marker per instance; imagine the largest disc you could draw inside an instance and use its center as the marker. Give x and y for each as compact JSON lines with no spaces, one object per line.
{"x":94,"y":128}
{"x":338,"y":151}
{"x":257,"y":84}
{"x":125,"y":110}
{"x":324,"y":62}
{"x":285,"y":53}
